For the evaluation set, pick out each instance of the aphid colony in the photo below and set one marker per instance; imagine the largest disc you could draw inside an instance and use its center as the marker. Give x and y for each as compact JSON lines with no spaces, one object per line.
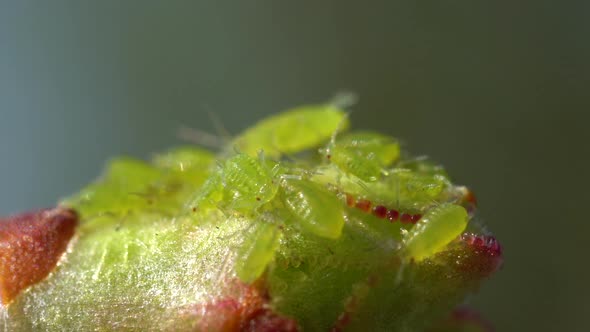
{"x":260,"y":178}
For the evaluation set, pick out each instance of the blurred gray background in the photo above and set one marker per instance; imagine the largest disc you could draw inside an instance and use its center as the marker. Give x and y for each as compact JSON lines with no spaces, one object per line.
{"x":496,"y":91}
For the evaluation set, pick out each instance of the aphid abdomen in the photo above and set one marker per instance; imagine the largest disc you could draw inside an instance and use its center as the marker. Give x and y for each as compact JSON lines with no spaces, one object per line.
{"x":293,"y":131}
{"x":415,"y":190}
{"x":315,"y":209}
{"x":351,"y":161}
{"x":257,"y":251}
{"x":385,"y":149}
{"x":437,"y":228}
{"x":247,"y":183}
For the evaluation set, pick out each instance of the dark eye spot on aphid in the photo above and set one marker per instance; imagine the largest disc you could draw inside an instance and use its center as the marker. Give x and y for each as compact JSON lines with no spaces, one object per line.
{"x":258,"y":199}
{"x":194,"y":209}
{"x":30,"y":246}
{"x":329,"y":156}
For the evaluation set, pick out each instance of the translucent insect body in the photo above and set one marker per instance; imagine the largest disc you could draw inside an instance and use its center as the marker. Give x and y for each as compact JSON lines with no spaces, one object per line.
{"x":361,"y":170}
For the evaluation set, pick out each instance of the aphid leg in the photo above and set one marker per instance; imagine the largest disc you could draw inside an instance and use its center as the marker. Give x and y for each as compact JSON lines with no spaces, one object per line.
{"x":216,"y":141}
{"x":120,"y":222}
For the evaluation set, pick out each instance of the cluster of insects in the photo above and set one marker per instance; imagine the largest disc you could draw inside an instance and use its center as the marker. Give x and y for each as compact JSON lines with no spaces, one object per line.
{"x":261,"y":178}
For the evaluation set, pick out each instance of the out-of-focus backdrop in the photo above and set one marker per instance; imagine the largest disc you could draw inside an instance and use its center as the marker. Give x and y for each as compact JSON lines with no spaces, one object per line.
{"x":496,"y":91}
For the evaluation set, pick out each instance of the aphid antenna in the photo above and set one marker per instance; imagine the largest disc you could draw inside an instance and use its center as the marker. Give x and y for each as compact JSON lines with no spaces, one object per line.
{"x":200,"y":137}
{"x":219,"y":164}
{"x":219,"y":127}
{"x":235,"y":149}
{"x":365,"y":187}
{"x":411,"y":159}
{"x":262,"y":159}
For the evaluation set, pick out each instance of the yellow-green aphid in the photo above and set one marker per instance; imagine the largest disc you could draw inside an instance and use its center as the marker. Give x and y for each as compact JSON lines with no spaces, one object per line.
{"x":257,"y":251}
{"x":292,"y":131}
{"x":242,"y":183}
{"x":437,"y":228}
{"x":127,"y":185}
{"x":411,"y":186}
{"x":313,"y":207}
{"x":248,"y":182}
{"x":362,"y":154}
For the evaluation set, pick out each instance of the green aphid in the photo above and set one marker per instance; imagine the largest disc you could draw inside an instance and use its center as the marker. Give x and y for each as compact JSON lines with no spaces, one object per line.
{"x":400,"y":188}
{"x":292,"y":131}
{"x":242,"y":183}
{"x":437,"y":228}
{"x":415,"y":186}
{"x":125,"y":186}
{"x":364,"y":155}
{"x":314,"y":208}
{"x":248,"y":182}
{"x":257,"y":251}
{"x":386,"y":149}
